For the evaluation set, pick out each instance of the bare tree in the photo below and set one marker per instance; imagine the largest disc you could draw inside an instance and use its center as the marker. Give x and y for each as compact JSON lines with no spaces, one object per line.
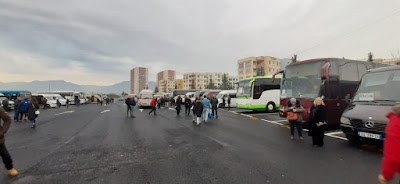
{"x":370,"y":57}
{"x":294,"y":58}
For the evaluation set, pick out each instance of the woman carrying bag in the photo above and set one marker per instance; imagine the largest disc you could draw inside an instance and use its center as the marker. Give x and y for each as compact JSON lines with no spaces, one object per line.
{"x":318,"y":122}
{"x":294,"y":116}
{"x":33,"y":112}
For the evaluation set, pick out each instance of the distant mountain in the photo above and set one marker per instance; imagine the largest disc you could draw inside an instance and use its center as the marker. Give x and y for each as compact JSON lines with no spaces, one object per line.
{"x":151,"y":85}
{"x":61,"y":85}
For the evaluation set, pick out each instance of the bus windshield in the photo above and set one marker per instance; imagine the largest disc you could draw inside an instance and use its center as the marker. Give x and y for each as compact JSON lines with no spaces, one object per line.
{"x":379,"y":87}
{"x":302,"y":81}
{"x":244,"y":89}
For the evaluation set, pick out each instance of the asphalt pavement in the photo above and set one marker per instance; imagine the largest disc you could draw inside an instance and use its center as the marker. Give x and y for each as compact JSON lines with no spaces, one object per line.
{"x":99,"y":144}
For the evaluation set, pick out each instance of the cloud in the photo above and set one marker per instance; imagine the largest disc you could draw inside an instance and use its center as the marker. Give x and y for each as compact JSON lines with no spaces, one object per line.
{"x":98,"y":42}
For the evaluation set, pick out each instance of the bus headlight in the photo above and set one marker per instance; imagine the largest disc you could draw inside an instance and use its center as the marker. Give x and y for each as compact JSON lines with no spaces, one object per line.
{"x":345,"y":120}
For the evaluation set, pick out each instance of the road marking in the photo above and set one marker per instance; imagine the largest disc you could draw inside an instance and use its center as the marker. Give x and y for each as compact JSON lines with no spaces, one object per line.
{"x":172,"y":109}
{"x":218,"y":141}
{"x":66,"y":112}
{"x":334,"y":133}
{"x":105,"y":111}
{"x":260,"y":114}
{"x":246,"y":115}
{"x":282,"y":120}
{"x":273,"y":122}
{"x":337,"y":137}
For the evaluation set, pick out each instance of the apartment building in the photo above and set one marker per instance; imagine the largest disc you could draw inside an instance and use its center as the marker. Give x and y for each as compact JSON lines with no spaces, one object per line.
{"x":166,"y":81}
{"x":199,"y":80}
{"x":257,"y":66}
{"x":139,"y":77}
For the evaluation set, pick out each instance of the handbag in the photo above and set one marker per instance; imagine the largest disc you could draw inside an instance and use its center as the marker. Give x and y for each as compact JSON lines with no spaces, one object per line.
{"x":37,"y":112}
{"x":292,"y":116}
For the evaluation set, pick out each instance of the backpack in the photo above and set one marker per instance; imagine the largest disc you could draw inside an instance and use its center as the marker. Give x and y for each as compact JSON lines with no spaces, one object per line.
{"x":133,"y":102}
{"x":292,"y":116}
{"x":24,"y":106}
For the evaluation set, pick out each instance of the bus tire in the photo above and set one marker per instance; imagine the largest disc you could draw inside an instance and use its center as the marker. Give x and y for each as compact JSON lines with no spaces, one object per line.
{"x":220,"y":105}
{"x":271,"y":107}
{"x":48,"y":106}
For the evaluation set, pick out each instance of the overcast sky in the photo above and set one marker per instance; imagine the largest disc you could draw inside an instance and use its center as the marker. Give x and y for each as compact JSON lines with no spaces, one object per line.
{"x":98,"y":42}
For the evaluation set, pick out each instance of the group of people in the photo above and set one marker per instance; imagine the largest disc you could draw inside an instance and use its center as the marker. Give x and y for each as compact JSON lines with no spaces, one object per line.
{"x":106,"y":100}
{"x":317,"y":124}
{"x":317,"y":120}
{"x":27,"y":109}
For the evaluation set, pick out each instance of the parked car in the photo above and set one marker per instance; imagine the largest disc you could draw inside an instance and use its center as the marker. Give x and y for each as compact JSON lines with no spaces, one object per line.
{"x":10,"y":102}
{"x":364,"y":121}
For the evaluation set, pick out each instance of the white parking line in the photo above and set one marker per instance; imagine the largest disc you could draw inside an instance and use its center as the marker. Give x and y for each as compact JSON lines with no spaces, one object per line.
{"x":334,"y":133}
{"x":337,"y":137}
{"x":66,"y":112}
{"x":105,"y":111}
{"x":246,"y":115}
{"x":273,"y":122}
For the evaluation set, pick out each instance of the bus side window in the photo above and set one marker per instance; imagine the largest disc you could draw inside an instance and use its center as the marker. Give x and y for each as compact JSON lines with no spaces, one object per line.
{"x":232,"y":95}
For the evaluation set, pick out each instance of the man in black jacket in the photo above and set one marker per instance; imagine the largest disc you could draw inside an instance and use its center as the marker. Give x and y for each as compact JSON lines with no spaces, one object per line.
{"x":188,"y":104}
{"x":3,"y":149}
{"x":214,"y":107}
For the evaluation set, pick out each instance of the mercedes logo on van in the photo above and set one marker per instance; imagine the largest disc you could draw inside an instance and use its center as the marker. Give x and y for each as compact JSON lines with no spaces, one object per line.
{"x":369,"y":124}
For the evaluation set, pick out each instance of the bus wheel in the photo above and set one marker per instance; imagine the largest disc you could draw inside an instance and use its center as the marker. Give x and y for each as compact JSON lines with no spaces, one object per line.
{"x":219,"y":105}
{"x":271,"y":107}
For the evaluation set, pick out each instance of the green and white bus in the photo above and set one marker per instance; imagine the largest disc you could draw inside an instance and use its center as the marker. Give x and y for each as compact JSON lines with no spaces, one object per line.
{"x":259,"y":94}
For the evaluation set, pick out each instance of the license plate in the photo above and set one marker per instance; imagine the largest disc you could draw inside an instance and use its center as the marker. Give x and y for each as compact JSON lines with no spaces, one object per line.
{"x":369,"y":135}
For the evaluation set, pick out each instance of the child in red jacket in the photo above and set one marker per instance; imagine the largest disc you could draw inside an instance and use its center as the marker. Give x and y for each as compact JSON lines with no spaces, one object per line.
{"x":391,"y":151}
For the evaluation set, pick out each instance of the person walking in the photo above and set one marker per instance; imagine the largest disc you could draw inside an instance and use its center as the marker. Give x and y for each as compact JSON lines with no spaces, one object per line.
{"x":318,"y":122}
{"x":294,"y":116}
{"x":130,"y":105}
{"x":58,"y":103}
{"x":32,"y":112}
{"x":198,"y":109}
{"x":153,"y":106}
{"x":17,"y":105}
{"x":5,"y":155}
{"x":194,"y":110}
{"x":229,"y":102}
{"x":77,"y":101}
{"x":178,"y":105}
{"x":67,"y":103}
{"x":188,"y":104}
{"x":206,"y":108}
{"x":391,"y":147}
{"x":214,"y":104}
{"x":23,"y":110}
{"x":44,"y":103}
{"x":5,"y":104}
